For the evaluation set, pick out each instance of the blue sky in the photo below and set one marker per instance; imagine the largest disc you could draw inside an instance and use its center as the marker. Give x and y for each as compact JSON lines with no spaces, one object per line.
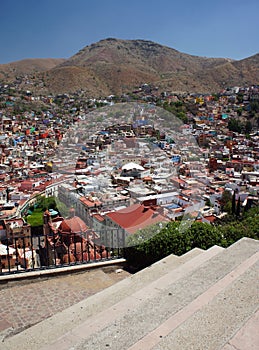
{"x":60,"y":28}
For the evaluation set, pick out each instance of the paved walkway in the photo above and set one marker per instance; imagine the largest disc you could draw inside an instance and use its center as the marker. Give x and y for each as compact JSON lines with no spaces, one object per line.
{"x":25,"y":303}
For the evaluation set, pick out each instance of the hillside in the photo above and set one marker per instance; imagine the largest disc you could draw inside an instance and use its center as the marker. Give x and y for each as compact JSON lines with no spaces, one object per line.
{"x":122,"y":65}
{"x":114,"y":66}
{"x":10,"y":71}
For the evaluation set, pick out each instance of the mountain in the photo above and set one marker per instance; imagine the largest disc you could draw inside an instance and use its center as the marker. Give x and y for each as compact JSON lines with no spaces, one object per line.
{"x":28,"y":66}
{"x":114,"y":66}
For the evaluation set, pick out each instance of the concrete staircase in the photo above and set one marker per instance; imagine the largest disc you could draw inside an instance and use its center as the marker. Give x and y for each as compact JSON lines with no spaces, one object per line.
{"x":201,"y":300}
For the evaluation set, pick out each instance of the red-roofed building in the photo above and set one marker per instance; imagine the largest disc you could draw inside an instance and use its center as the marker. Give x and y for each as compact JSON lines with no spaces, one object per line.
{"x":29,"y":185}
{"x":121,"y":223}
{"x":98,"y":217}
{"x":179,"y":183}
{"x":90,"y":202}
{"x":69,"y":240}
{"x":73,"y":225}
{"x":86,"y":206}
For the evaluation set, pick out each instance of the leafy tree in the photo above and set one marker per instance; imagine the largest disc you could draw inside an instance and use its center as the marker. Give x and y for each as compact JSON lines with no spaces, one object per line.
{"x":254,"y":106}
{"x":248,"y":206}
{"x":182,"y":116}
{"x":152,"y":244}
{"x":236,"y":227}
{"x":155,"y":242}
{"x":251,"y":213}
{"x":226,"y":201}
{"x":233,"y":208}
{"x":238,"y":209}
{"x":248,"y":127}
{"x":232,"y":232}
{"x":251,"y":227}
{"x":240,"y":98}
{"x":203,"y":235}
{"x":178,"y":104}
{"x":169,"y":240}
{"x":46,"y":203}
{"x":234,"y":125}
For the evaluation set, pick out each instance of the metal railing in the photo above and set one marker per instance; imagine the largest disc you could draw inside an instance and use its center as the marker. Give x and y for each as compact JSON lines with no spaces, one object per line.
{"x":28,"y":253}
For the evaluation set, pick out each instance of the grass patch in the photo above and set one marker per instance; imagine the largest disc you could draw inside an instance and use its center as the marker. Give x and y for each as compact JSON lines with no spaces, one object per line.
{"x":36,"y":218}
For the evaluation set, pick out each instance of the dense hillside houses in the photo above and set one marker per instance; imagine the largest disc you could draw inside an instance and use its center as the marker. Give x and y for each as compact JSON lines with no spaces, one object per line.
{"x":125,"y":169}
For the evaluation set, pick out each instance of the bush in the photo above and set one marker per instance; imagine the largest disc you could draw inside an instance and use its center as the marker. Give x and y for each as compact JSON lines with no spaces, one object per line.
{"x":47,"y":203}
{"x":169,"y":240}
{"x":155,"y":242}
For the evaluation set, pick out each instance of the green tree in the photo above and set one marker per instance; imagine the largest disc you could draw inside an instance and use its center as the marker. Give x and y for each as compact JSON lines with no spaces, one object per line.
{"x":226,"y":201}
{"x":254,"y":106}
{"x":182,"y":116}
{"x":169,"y":240}
{"x":178,"y":104}
{"x":240,"y":98}
{"x":155,"y":242}
{"x":248,"y":127}
{"x":246,"y":226}
{"x":203,"y":235}
{"x":46,"y":203}
{"x":238,"y":209}
{"x":233,"y":208}
{"x":235,"y":125}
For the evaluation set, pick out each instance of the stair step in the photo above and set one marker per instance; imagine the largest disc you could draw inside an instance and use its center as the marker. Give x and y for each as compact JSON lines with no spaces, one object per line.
{"x":210,"y":320}
{"x":57,"y":325}
{"x":101,"y":321}
{"x":138,"y":315}
{"x":247,"y":336}
{"x":128,"y":304}
{"x":158,"y":269}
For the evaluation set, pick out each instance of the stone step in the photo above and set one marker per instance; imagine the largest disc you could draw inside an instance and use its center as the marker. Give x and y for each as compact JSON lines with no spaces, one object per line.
{"x":158,"y":269}
{"x":214,"y":324}
{"x":212,"y":319}
{"x":143,"y":319}
{"x":100,"y":309}
{"x":247,"y":336}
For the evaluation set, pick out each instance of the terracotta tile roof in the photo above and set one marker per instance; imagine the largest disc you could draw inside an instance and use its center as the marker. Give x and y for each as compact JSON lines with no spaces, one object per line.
{"x":73,"y":225}
{"x":180,"y":181}
{"x":99,"y":217}
{"x":89,"y":203}
{"x":147,"y":178}
{"x":136,"y":217}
